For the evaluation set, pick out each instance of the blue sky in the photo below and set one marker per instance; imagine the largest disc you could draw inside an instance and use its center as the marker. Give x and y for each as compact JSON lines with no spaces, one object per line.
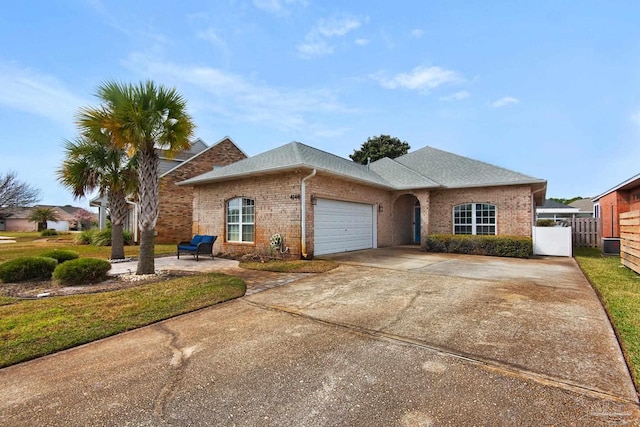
{"x":550,"y":89}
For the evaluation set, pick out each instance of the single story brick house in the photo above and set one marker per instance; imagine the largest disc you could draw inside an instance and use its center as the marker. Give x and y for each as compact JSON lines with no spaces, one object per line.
{"x":176,"y":203}
{"x":320,"y":203}
{"x":17,"y":219}
{"x":624,"y":197}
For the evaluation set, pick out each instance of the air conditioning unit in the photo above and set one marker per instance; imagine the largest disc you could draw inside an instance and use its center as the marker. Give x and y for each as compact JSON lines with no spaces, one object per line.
{"x":611,"y":246}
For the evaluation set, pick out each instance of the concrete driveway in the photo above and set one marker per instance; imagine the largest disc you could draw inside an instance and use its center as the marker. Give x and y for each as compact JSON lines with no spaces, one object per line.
{"x":391,"y":337}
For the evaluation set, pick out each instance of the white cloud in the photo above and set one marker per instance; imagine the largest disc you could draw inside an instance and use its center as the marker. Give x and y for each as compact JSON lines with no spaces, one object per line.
{"x":30,"y":91}
{"x":456,"y":96}
{"x":277,"y":6}
{"x":337,"y":26}
{"x":504,"y":102}
{"x":420,"y":78}
{"x":238,"y":99}
{"x":316,"y":42}
{"x":417,"y":33}
{"x":362,"y":42}
{"x":212,"y":37}
{"x":314,"y":48}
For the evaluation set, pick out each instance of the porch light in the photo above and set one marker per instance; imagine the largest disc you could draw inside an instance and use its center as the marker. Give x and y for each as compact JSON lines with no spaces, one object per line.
{"x":314,"y":199}
{"x":380,"y":208}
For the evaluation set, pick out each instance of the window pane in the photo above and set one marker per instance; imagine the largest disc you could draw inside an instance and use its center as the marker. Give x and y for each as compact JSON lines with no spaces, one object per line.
{"x":247,"y":214}
{"x":233,"y":233}
{"x":233,"y":211}
{"x":247,"y":233}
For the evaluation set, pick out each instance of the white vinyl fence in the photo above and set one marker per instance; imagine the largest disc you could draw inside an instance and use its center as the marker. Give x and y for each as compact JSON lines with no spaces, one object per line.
{"x":552,"y":241}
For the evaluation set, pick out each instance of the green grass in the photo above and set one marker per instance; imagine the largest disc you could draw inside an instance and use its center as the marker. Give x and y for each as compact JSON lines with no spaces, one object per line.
{"x":32,"y":244}
{"x":34,"y":328}
{"x":619,"y":291}
{"x":296,"y":266}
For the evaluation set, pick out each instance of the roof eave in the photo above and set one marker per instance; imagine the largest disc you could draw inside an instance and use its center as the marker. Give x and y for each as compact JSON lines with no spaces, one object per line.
{"x":634,"y":180}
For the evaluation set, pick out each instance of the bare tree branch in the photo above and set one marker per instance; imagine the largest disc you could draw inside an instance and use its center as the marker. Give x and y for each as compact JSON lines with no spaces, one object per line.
{"x":14,"y":193}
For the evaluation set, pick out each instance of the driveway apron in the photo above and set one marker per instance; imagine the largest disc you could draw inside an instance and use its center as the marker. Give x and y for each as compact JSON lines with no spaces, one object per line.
{"x":391,"y":337}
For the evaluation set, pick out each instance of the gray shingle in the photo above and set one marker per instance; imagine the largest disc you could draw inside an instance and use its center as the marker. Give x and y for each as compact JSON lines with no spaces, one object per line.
{"x":424,"y":168}
{"x":291,"y":156}
{"x":454,"y":171}
{"x":400,"y":176}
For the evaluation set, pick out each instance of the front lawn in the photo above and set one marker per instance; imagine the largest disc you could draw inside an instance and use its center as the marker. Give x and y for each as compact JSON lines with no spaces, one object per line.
{"x":28,"y":244}
{"x":34,"y":328}
{"x":619,"y":291}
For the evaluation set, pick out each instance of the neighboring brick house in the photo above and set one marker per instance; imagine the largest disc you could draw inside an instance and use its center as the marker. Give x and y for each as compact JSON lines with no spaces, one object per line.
{"x":624,"y":197}
{"x":320,"y":203}
{"x":176,"y":203}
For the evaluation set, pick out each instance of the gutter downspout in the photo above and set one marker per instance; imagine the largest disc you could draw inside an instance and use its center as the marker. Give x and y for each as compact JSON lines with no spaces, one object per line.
{"x":303,"y":212}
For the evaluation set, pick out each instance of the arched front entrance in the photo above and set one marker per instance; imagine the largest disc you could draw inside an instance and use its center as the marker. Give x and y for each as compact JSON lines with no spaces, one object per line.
{"x":406,"y":220}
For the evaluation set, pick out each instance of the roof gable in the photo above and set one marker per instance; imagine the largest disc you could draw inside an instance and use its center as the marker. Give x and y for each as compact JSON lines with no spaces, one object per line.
{"x":200,"y":148}
{"x":292,"y":156}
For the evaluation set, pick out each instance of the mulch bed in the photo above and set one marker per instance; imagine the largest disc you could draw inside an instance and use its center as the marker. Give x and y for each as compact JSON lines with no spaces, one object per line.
{"x":48,"y":288}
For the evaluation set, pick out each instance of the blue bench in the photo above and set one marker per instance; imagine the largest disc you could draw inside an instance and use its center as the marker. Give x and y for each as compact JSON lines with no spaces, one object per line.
{"x":201,"y":244}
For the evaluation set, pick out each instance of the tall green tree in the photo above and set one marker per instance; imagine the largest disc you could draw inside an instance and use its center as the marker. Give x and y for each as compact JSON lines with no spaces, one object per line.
{"x":94,"y":163}
{"x":378,"y":147}
{"x":141,"y":119}
{"x":43,"y":214}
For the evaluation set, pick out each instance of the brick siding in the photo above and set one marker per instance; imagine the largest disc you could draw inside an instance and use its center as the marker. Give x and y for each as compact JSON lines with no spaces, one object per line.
{"x":513,"y":205}
{"x":612,"y":205}
{"x":176,"y":202}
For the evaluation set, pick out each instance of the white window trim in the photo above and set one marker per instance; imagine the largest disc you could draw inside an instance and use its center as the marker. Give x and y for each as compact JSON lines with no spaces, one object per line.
{"x":240,"y":223}
{"x":473,"y":219}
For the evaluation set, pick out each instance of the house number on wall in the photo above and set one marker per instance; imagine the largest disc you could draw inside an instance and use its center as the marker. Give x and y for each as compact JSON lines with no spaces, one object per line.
{"x":294,"y":197}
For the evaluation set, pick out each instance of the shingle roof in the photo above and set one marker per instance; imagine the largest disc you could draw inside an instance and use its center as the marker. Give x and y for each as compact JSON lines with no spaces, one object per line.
{"x":585,"y":205}
{"x":454,"y":171}
{"x":424,"y":168}
{"x":292,"y":156}
{"x":552,"y":204}
{"x":400,"y":176}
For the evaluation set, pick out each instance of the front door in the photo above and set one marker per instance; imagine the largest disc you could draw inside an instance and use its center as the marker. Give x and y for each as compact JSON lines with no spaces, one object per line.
{"x":416,"y":223}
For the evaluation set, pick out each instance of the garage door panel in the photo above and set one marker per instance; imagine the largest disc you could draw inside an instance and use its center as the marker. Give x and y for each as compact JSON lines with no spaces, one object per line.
{"x":342,"y":226}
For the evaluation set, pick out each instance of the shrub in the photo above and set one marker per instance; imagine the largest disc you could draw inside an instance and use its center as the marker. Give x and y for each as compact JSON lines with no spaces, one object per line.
{"x":545,"y":223}
{"x":82,"y":271}
{"x":61,"y":255}
{"x":85,"y":237}
{"x":504,"y":246}
{"x":27,"y":268}
{"x":101,"y":237}
{"x":49,"y":232}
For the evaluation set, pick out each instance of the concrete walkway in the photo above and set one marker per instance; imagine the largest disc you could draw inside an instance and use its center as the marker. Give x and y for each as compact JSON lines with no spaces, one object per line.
{"x":257,"y":281}
{"x":390,"y":338}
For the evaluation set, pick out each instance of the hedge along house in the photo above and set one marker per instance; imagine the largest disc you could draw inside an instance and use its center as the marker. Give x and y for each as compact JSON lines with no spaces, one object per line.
{"x":320,"y":203}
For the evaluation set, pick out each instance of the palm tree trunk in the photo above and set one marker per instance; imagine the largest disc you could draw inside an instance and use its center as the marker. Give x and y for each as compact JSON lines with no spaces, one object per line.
{"x":117,"y":241}
{"x":146,"y":264}
{"x":118,"y":211}
{"x":148,"y":190}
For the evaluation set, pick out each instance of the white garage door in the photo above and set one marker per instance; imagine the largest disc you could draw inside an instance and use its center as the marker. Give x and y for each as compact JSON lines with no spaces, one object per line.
{"x":342,"y":226}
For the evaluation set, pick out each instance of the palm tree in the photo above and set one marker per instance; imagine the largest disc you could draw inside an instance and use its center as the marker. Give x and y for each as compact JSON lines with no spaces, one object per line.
{"x":93,"y":163}
{"x":41,"y":215}
{"x":141,"y":119}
